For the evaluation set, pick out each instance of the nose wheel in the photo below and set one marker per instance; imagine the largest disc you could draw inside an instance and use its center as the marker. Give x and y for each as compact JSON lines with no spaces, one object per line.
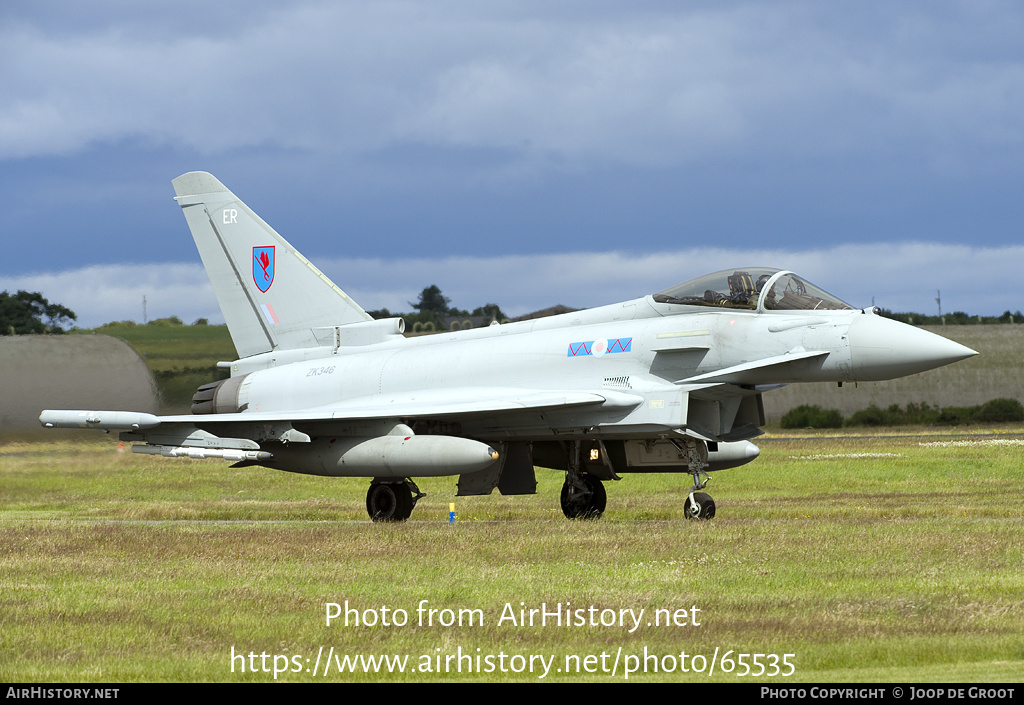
{"x":699,"y":505}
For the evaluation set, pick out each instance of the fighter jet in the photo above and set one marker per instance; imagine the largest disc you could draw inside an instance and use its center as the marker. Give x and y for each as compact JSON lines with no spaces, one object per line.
{"x":668,"y":382}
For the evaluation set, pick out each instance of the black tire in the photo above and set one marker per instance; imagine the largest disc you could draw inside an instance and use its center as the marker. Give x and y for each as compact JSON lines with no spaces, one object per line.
{"x":577,"y":506}
{"x":389,"y":501}
{"x":706,"y":506}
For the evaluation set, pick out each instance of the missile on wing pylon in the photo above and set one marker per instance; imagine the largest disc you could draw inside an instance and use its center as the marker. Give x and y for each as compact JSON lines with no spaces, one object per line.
{"x":201,"y":453}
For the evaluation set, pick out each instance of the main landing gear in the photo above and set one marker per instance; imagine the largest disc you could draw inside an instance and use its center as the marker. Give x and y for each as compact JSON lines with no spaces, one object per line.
{"x":391,"y":500}
{"x":698,"y":505}
{"x":583,"y":495}
{"x":583,"y":498}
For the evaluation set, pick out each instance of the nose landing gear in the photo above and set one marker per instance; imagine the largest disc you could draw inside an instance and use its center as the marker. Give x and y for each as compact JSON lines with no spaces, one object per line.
{"x":698,"y":505}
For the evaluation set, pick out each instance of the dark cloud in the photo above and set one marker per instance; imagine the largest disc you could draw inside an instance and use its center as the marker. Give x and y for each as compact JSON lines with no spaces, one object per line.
{"x":369,"y":129}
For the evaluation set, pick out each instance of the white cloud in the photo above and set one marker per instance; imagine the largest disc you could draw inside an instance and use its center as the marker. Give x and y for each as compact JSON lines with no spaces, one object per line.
{"x":100,"y":294}
{"x":897,"y":276}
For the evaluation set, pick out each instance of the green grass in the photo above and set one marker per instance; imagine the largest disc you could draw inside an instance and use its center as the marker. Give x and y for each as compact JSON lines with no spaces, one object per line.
{"x":870,"y":559}
{"x":181,"y":358}
{"x":166,"y":347}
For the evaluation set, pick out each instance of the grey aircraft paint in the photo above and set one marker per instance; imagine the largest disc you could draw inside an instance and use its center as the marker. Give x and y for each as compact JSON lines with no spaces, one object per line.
{"x":671,"y":382}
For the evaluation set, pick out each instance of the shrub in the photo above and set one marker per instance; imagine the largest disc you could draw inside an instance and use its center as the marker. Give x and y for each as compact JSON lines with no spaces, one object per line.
{"x":1000,"y":410}
{"x":169,"y":322}
{"x":874,"y":416}
{"x":957,"y":415}
{"x":994,"y":411}
{"x":812,"y":416}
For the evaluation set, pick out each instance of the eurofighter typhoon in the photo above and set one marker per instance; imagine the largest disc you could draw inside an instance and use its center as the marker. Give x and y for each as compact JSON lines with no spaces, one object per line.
{"x":669,"y":382}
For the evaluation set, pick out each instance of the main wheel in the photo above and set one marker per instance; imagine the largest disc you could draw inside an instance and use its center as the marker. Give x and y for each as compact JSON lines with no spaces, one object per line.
{"x":577,"y":504}
{"x":389,"y":501}
{"x":705,"y":508}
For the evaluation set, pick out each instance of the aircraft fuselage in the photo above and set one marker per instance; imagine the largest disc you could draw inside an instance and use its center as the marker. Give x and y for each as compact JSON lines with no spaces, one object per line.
{"x":646,"y":358}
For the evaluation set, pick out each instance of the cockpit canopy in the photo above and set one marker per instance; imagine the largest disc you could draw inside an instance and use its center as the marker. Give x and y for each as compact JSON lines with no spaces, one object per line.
{"x":752,"y":289}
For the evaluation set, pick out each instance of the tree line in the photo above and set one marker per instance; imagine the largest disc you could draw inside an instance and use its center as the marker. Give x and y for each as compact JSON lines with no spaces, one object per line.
{"x":433,"y":311}
{"x":1003,"y":410}
{"x":30,"y":313}
{"x":958,"y":318}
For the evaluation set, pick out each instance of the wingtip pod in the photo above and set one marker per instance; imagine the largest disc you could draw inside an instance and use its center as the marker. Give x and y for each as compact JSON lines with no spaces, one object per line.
{"x":102,"y":420}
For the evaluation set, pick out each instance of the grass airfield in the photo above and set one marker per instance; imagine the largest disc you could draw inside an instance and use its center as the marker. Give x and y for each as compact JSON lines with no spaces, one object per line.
{"x":887,"y":558}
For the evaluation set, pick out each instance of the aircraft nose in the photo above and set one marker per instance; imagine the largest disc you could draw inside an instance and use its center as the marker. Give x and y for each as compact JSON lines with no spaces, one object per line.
{"x":881,"y":348}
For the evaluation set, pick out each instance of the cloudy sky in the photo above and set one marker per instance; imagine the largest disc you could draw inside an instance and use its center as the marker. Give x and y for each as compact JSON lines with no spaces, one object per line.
{"x":525,"y":153}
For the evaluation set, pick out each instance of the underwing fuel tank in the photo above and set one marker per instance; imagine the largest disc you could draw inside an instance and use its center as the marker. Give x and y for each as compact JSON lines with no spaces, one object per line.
{"x":386,"y":456}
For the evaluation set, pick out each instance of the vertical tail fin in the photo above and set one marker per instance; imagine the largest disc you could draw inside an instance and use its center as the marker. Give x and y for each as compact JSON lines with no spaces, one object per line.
{"x":271,"y":296}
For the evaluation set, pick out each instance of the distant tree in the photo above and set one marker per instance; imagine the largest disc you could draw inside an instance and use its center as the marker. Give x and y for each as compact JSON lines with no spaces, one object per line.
{"x":169,"y":322}
{"x":29,"y":313}
{"x":432,"y":301}
{"x":379,"y":314}
{"x":434,"y":307}
{"x":492,"y":310}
